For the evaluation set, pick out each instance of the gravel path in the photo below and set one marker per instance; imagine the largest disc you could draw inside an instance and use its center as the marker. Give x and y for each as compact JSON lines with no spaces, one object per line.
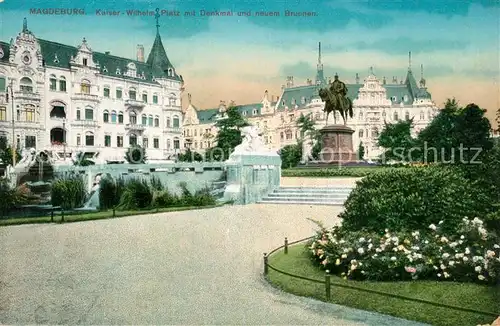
{"x":191,"y":267}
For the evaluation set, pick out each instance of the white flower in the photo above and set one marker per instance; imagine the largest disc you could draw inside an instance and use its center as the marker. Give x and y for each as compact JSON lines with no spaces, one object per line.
{"x":467,"y":251}
{"x":451,"y":262}
{"x":496,"y":246}
{"x":439,"y":274}
{"x":344,"y":256}
{"x":482,"y":231}
{"x":490,"y":254}
{"x":374,"y":256}
{"x":460,"y":255}
{"x":465,"y":258}
{"x":460,"y":241}
{"x":432,"y":227}
{"x":446,"y":255}
{"x":478,"y":269}
{"x":342,"y":241}
{"x":415,"y":248}
{"x":442,"y":266}
{"x":419,"y":256}
{"x":393,"y":258}
{"x":443,"y":239}
{"x":361,"y":239}
{"x":462,"y":237}
{"x":378,"y":250}
{"x":440,"y":222}
{"x":426,"y":242}
{"x":435,"y":267}
{"x":481,"y":277}
{"x":446,"y":275}
{"x":361,"y":251}
{"x":386,"y":230}
{"x":477,"y":221}
{"x":395,"y":239}
{"x":453,"y":244}
{"x":370,"y":246}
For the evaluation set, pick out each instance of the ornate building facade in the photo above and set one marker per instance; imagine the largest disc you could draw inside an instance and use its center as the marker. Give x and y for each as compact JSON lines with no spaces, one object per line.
{"x":65,"y":99}
{"x":375,"y":102}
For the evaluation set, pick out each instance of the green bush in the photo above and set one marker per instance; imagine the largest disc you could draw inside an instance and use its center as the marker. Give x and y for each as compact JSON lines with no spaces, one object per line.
{"x":329,"y":172}
{"x":11,"y":197}
{"x":110,"y":192}
{"x":68,"y":191}
{"x":156,"y":184}
{"x":137,"y":194}
{"x":203,"y":197}
{"x":164,"y":198}
{"x":411,"y":199}
{"x":290,"y":155}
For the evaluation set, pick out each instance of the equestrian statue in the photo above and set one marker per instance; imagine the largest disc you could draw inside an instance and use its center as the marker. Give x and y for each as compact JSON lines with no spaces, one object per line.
{"x":335,"y":98}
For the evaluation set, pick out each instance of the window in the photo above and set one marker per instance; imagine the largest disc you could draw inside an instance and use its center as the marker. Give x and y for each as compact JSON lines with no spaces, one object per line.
{"x":374,"y":132}
{"x":62,"y":84}
{"x":395,"y":116}
{"x":383,"y":114}
{"x":89,"y":114}
{"x":132,"y":140}
{"x":282,"y":135}
{"x":132,"y":95}
{"x":361,"y":133}
{"x":78,"y":114}
{"x":30,"y":113}
{"x":360,"y":115}
{"x":244,"y":113}
{"x":107,"y":140}
{"x":407,"y":115}
{"x":172,"y":101}
{"x":119,"y":141}
{"x":106,"y":92}
{"x":3,"y":113}
{"x":177,"y":144}
{"x":422,"y":115}
{"x":168,"y":123}
{"x":113,"y":116}
{"x":53,"y":83}
{"x":30,"y":141}
{"x":289,"y":134}
{"x":156,"y":143}
{"x":255,"y":111}
{"x":26,"y":85}
{"x":144,"y":120}
{"x":317,"y":116}
{"x":144,"y":142}
{"x":18,"y":115}
{"x":120,"y":117}
{"x":89,"y":139}
{"x":155,"y":99}
{"x":196,"y":132}
{"x":157,"y":121}
{"x":78,"y":140}
{"x":145,"y":98}
{"x":169,"y":145}
{"x":132,"y":118}
{"x":176,"y":122}
{"x":105,"y":116}
{"x":85,"y":87}
{"x":150,"y":120}
{"x":3,"y":84}
{"x":119,"y":93}
{"x":84,"y":61}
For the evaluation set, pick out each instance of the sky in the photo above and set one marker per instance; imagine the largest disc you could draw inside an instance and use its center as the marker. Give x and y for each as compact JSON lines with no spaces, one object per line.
{"x":238,"y":58}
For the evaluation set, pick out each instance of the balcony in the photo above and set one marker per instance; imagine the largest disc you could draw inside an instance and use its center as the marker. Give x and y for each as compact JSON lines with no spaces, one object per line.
{"x":134,"y":127}
{"x":85,"y":97}
{"x":85,"y":123}
{"x":134,"y":104}
{"x":172,"y":130}
{"x":27,"y":96}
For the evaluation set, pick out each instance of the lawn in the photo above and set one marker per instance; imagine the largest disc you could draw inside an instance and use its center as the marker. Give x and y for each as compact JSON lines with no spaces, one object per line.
{"x":89,"y":216}
{"x":465,"y":295}
{"x":331,"y":171}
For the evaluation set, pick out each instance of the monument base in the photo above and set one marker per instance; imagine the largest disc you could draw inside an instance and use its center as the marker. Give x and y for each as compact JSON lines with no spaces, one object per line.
{"x":337,"y":145}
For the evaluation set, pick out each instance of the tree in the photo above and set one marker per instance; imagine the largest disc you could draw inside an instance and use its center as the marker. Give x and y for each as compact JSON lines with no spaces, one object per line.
{"x":290,"y":155}
{"x":190,"y":156}
{"x":397,"y":141}
{"x":6,"y":152}
{"x":307,"y":130}
{"x":361,"y":151}
{"x":228,"y":136}
{"x":82,"y":160}
{"x":135,"y":155}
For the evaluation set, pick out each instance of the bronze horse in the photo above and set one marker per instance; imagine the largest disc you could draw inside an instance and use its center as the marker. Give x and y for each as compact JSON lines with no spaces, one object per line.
{"x":336,"y":99}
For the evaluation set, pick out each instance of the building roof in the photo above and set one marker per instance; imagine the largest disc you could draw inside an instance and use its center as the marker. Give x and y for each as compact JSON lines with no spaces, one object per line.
{"x":159,"y":62}
{"x":210,"y":115}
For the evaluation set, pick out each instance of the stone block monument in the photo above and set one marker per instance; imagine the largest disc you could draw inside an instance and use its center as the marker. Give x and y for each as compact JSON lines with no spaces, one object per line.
{"x":252,"y":170}
{"x":336,"y":139}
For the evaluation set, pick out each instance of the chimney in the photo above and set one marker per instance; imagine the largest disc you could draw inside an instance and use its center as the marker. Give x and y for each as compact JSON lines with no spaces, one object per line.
{"x":140,"y":52}
{"x":107,"y":52}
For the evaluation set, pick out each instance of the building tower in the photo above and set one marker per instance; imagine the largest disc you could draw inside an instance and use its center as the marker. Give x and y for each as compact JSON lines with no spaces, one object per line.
{"x":320,"y":76}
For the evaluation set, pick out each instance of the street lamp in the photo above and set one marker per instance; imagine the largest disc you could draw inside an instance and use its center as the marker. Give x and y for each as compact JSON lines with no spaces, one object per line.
{"x":64,"y":138}
{"x":13,"y":148}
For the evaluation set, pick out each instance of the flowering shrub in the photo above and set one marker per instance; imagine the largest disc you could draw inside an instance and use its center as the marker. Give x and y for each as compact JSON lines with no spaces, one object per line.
{"x":471,"y":255}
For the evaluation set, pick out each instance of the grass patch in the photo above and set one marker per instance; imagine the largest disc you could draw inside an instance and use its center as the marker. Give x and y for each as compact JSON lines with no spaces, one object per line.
{"x":90,"y":216}
{"x":331,"y":172}
{"x":466,"y":295}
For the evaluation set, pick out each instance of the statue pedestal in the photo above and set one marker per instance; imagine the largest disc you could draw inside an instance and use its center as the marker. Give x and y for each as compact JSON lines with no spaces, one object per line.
{"x":337,"y":144}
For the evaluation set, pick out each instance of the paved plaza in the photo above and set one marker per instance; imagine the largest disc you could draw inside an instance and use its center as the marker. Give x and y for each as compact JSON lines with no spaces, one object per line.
{"x":190,"y":267}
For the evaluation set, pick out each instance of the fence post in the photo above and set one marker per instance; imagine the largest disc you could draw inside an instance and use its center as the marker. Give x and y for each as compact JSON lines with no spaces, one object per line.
{"x":266,"y":268}
{"x":328,"y":287}
{"x":286,"y":245}
{"x":62,"y":215}
{"x":114,"y":212}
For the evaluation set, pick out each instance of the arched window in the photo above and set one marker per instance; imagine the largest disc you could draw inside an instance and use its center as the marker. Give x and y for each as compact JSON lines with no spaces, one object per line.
{"x":395,"y":116}
{"x":62,"y":84}
{"x":288,"y":134}
{"x":3,"y":83}
{"x":422,"y":115}
{"x":172,"y":101}
{"x":113,"y":116}
{"x":360,"y":115}
{"x":407,"y":115}
{"x":120,"y":117}
{"x":177,"y":143}
{"x":169,"y":144}
{"x":150,"y":120}
{"x":53,"y":83}
{"x":303,"y":100}
{"x":119,"y":93}
{"x":374,"y":132}
{"x":26,"y":85}
{"x":85,"y":87}
{"x":157,"y":121}
{"x":132,"y":118}
{"x":144,"y":119}
{"x":29,"y":111}
{"x":169,"y":124}
{"x":132,"y":139}
{"x":176,"y":123}
{"x":89,"y":139}
{"x":78,"y":114}
{"x":78,"y":140}
{"x":317,"y":116}
{"x":132,"y":94}
{"x":361,"y":133}
{"x":89,"y":113}
{"x":105,"y":116}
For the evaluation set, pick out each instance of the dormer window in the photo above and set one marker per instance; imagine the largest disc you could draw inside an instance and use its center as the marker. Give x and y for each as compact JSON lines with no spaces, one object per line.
{"x":244,"y":113}
{"x":254,"y":112}
{"x":104,"y":69}
{"x":56,"y":60}
{"x":303,"y":100}
{"x":118,"y":72}
{"x":405,"y":98}
{"x":84,"y":61}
